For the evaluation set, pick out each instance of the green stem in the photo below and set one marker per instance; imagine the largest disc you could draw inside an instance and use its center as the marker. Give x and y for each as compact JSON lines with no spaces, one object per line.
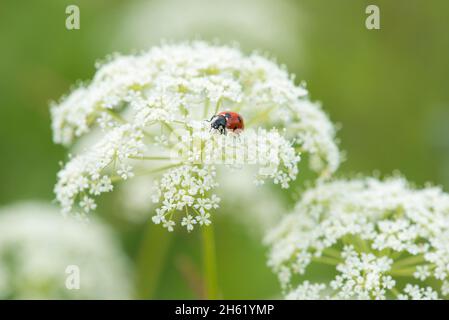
{"x":169,"y":127}
{"x":150,"y":260}
{"x":115,"y":116}
{"x":326,"y":260}
{"x":332,"y":252}
{"x":408,"y":261}
{"x":206,"y":108}
{"x":147,"y":172}
{"x":210,"y":265}
{"x":395,"y":292}
{"x":160,"y":169}
{"x":150,"y":158}
{"x":402,"y":272}
{"x":217,"y":106}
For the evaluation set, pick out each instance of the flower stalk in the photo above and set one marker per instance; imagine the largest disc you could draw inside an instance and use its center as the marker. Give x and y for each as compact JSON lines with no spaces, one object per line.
{"x":209,"y":263}
{"x":151,"y":258}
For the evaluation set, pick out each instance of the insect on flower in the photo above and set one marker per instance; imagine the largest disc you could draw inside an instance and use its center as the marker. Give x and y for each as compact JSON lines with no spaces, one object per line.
{"x":227,"y":120}
{"x":175,"y":86}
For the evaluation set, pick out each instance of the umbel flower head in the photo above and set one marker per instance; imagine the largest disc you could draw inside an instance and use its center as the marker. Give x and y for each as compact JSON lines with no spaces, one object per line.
{"x":38,"y":248}
{"x":151,"y":109}
{"x":378,"y":239}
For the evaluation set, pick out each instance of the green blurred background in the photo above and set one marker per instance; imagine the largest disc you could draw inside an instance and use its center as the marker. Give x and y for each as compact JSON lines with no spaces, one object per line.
{"x":387,"y":88}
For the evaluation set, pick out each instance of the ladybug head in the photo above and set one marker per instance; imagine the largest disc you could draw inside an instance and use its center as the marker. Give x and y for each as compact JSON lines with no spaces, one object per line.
{"x":219,"y":123}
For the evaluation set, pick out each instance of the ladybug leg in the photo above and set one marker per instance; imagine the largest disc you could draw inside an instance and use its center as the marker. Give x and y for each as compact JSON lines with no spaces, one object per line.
{"x":210,"y":120}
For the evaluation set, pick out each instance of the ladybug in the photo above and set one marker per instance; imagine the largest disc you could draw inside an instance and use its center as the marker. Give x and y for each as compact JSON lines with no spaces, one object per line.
{"x":227,"y":120}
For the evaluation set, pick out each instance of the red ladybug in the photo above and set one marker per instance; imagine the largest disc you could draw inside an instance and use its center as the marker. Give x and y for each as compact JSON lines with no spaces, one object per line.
{"x":227,"y":120}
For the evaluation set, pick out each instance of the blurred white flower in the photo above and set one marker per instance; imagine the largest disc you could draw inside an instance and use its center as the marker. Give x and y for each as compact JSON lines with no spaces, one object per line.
{"x":373,"y":233}
{"x":134,"y":199}
{"x":272,"y":24}
{"x":151,"y":108}
{"x":37,"y":245}
{"x":258,"y":209}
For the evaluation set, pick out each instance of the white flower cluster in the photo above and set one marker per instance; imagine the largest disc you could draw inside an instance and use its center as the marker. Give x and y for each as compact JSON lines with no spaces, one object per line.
{"x":37,"y":245}
{"x":269,"y":150}
{"x":361,"y":275}
{"x":306,"y":291}
{"x":154,"y":104}
{"x":186,"y":188}
{"x":414,"y":292}
{"x":276,"y":158}
{"x":373,"y":233}
{"x":314,"y":133}
{"x":86,"y":175}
